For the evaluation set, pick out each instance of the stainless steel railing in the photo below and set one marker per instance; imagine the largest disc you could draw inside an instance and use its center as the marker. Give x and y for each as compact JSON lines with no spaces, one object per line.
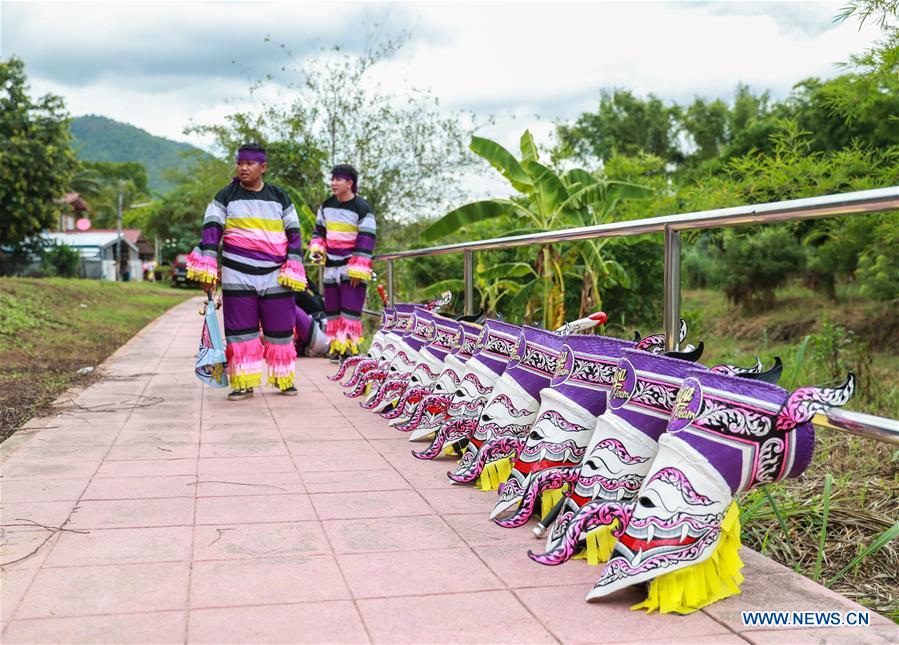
{"x":855,"y":203}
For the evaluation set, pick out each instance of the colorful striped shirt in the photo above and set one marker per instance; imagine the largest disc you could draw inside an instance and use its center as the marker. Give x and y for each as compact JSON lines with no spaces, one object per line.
{"x":259,"y":230}
{"x":344,"y":229}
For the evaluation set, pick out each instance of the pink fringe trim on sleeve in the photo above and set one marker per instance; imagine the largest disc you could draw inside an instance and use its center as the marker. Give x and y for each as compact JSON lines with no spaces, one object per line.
{"x":359,"y":268}
{"x":202,"y":268}
{"x":293,"y":275}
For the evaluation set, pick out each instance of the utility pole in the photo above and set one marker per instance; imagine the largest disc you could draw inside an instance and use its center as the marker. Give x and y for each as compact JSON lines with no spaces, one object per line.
{"x":118,"y":245}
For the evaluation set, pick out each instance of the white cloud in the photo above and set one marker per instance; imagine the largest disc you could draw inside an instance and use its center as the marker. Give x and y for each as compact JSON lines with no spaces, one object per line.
{"x":161,"y":65}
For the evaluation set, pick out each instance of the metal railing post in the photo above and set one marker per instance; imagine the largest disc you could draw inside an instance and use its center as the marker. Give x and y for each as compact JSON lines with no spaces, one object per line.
{"x":468,"y":277}
{"x":390,"y":297}
{"x":671,"y":302}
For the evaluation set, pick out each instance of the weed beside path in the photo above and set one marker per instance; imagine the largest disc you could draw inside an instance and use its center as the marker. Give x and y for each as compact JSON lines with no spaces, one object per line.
{"x":52,"y":327}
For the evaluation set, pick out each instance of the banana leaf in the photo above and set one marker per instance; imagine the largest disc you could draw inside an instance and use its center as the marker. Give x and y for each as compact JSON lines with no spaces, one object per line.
{"x":471,"y":213}
{"x":528,"y":147}
{"x":503,"y":161}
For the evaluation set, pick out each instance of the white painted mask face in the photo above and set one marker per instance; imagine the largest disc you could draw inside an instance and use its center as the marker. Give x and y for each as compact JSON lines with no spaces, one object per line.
{"x":558,"y":438}
{"x":675,"y":522}
{"x":431,"y":413}
{"x":510,"y":411}
{"x":725,"y":434}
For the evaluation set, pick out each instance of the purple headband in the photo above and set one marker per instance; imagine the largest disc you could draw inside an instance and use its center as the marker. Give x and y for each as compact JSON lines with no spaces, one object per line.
{"x":251,"y":155}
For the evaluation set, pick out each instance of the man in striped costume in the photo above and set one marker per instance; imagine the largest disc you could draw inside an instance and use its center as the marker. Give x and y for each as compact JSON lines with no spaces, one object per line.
{"x":261,"y":268}
{"x":343,"y":241}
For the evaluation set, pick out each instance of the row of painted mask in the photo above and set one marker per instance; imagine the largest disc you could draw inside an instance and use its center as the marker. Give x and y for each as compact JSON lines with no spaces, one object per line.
{"x":531,"y":408}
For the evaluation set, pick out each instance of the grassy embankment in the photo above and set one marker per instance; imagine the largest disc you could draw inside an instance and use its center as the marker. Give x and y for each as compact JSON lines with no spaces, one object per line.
{"x":50,"y":328}
{"x":822,"y":523}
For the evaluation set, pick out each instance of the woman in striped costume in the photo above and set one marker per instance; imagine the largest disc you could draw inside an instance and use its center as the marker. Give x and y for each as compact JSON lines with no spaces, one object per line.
{"x":261,"y":268}
{"x":343,"y":241}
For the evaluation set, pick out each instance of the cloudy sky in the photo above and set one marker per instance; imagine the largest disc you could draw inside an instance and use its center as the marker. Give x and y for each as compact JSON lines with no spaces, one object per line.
{"x":161,"y":65}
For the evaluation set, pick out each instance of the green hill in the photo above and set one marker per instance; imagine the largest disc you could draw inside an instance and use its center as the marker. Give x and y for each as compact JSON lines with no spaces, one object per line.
{"x":97,"y":138}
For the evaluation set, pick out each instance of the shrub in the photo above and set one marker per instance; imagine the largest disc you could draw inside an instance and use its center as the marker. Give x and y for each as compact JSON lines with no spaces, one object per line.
{"x":757,"y":263}
{"x":61,"y":260}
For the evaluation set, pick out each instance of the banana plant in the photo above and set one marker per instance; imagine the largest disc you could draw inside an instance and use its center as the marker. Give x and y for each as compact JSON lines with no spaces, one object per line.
{"x":548,"y":201}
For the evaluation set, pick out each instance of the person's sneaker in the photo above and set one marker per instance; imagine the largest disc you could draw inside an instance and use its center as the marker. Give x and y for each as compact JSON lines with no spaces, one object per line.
{"x":240,"y":395}
{"x":334,"y":357}
{"x":289,"y":391}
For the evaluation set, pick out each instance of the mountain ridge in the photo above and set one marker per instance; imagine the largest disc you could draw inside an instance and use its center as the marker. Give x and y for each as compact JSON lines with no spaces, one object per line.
{"x":100,"y":138}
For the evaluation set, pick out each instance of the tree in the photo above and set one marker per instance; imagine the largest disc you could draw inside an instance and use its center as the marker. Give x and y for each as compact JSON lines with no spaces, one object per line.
{"x":37,"y":162}
{"x":625,"y":124}
{"x":549,"y":201}
{"x":407,"y":153}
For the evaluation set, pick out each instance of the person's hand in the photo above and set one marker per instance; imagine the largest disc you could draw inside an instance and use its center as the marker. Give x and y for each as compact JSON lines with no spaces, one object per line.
{"x":208,"y":287}
{"x":354,"y":282}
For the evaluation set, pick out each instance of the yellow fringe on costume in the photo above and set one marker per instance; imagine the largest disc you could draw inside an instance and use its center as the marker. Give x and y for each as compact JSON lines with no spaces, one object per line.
{"x":281,"y":382}
{"x":600,"y":543}
{"x":550,"y":498}
{"x":495,"y":474}
{"x":291,"y":283}
{"x":697,"y":586}
{"x":346,"y":346}
{"x":245,"y":381}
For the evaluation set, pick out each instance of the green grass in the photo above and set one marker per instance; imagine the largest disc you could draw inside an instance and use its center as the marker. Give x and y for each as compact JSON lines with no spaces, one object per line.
{"x":52,"y":327}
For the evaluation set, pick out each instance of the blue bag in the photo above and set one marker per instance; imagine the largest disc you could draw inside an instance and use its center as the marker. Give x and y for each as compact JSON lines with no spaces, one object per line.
{"x":211,"y":367}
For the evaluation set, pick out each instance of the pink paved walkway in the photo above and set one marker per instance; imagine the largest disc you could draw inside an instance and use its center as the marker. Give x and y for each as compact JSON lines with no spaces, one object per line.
{"x":191,"y":519}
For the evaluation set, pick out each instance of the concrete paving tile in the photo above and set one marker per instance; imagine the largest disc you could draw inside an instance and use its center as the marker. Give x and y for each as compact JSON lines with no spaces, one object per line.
{"x":339,"y":481}
{"x":783,"y":592}
{"x":25,"y":546}
{"x":239,"y":465}
{"x":377,"y":430}
{"x":132,"y":435}
{"x":394,"y":503}
{"x":338,"y":430}
{"x":315,"y":622}
{"x":81,"y":591}
{"x":333,"y":449}
{"x":122,"y":546}
{"x":261,"y":581}
{"x":13,"y":584}
{"x":153,"y":450}
{"x":566,"y":614}
{"x":133,"y":513}
{"x":55,"y":468}
{"x":484,"y":617}
{"x":249,"y":484}
{"x":512,"y":564}
{"x":477,"y":529}
{"x":44,"y":452}
{"x":870,"y":635}
{"x":415,"y":573}
{"x":240,"y":435}
{"x":254,"y":508}
{"x":249,"y":449}
{"x":451,"y":500}
{"x":159,"y":627}
{"x":349,"y":461}
{"x":46,"y":513}
{"x":32,"y":490}
{"x":229,"y":542}
{"x":148,"y":468}
{"x":140,"y":487}
{"x":391,"y":534}
{"x":75,"y":436}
